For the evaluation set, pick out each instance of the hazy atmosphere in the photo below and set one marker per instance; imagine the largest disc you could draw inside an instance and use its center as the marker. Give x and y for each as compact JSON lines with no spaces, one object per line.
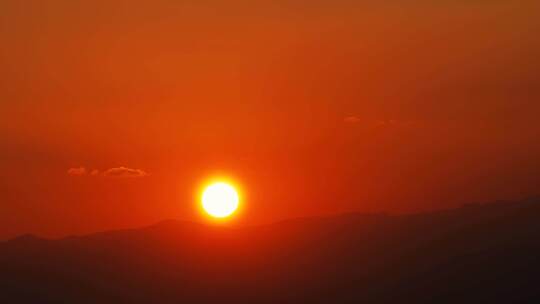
{"x":112,"y":113}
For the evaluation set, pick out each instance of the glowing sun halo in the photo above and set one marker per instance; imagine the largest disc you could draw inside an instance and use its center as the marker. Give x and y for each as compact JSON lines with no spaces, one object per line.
{"x":220,"y":200}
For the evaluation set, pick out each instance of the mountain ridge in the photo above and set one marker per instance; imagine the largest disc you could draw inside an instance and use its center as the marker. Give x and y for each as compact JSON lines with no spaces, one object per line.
{"x":175,"y":222}
{"x":471,"y":254}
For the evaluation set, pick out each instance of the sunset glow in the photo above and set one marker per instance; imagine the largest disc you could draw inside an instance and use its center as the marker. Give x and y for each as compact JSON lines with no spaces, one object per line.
{"x":119,"y":114}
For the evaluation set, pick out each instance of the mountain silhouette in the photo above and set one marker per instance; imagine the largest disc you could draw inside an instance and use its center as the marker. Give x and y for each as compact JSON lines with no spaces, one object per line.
{"x":480,"y":253}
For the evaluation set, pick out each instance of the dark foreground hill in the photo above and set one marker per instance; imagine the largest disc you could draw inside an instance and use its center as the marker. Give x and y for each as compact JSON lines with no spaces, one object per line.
{"x":476,"y":254}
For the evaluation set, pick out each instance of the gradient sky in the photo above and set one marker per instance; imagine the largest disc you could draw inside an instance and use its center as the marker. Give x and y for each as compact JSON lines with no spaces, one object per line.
{"x":314,"y":107}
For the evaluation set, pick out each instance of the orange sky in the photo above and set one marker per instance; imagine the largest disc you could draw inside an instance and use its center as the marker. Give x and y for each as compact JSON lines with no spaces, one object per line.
{"x":315,"y":107}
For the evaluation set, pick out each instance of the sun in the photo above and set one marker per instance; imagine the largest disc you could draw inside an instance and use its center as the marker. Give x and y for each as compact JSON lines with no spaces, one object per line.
{"x":220,"y":199}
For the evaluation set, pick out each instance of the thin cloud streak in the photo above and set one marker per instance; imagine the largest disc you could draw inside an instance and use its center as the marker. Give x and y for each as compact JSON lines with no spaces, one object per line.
{"x":124,"y":172}
{"x":118,"y":172}
{"x":80,"y":171}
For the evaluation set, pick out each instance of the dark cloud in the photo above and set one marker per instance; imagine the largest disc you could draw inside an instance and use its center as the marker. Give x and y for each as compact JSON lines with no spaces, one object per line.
{"x":123,"y":172}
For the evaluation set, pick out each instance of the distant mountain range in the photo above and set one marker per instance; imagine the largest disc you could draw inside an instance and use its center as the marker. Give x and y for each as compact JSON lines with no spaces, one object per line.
{"x":480,"y":253}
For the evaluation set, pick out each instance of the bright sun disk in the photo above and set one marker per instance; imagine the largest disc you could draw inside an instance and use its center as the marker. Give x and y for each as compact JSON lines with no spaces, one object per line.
{"x":220,"y":199}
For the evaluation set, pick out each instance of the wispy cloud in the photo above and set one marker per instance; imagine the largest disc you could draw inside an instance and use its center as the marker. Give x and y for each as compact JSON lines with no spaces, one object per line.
{"x":124,"y":172}
{"x":80,"y":171}
{"x":376,"y":123}
{"x":119,"y":172}
{"x":351,"y":119}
